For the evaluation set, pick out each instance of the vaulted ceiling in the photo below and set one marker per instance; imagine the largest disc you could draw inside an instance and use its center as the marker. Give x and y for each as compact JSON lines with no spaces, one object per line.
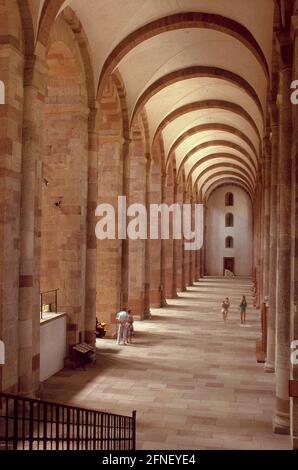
{"x":200,"y":69}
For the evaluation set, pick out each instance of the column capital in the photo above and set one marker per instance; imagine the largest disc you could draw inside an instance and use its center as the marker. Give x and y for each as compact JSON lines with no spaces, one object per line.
{"x":35,"y":72}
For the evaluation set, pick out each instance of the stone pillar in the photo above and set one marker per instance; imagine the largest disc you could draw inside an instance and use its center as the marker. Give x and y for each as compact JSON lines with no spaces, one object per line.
{"x":178,"y":246}
{"x":203,"y":249}
{"x":258,"y":232}
{"x":294,"y":256}
{"x":271,"y":333}
{"x":155,"y":264}
{"x":11,"y":123}
{"x":266,"y":232}
{"x":282,"y":412}
{"x":199,"y":271}
{"x":255,"y":245}
{"x":29,"y":282}
{"x":163,"y":246}
{"x":261,"y":234}
{"x":168,"y":245}
{"x":147,"y":313}
{"x":91,"y":244}
{"x":187,"y":254}
{"x":125,"y":242}
{"x":193,"y":253}
{"x":109,"y":251}
{"x":137,"y":248}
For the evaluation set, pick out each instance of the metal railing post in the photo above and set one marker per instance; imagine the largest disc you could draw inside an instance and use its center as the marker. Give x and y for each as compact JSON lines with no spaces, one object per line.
{"x":51,"y":425}
{"x":134,"y":430}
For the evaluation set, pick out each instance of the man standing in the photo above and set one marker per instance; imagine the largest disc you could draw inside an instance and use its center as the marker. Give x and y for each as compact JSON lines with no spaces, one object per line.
{"x":122,"y":318}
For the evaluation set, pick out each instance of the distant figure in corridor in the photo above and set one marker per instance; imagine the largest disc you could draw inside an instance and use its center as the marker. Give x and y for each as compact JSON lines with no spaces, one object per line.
{"x":129,"y":327}
{"x":225,"y":308}
{"x":243,"y":306}
{"x":122,"y":318}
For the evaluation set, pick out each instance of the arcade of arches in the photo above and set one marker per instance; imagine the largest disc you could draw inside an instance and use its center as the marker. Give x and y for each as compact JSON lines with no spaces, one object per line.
{"x":178,"y":101}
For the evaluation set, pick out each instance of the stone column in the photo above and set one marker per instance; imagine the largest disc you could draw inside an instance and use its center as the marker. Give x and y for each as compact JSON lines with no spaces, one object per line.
{"x":29,"y":281}
{"x":147,"y":313}
{"x":266,"y":232}
{"x":203,"y":249}
{"x":125,"y":242}
{"x":282,"y":415}
{"x":163,"y":247}
{"x":137,"y":248}
{"x":258,"y":242}
{"x":91,"y":244}
{"x":271,"y":332}
{"x":155,"y":263}
{"x":255,"y":243}
{"x":168,"y":245}
{"x":193,"y":253}
{"x":294,"y":264}
{"x":109,"y":251}
{"x":11,"y":123}
{"x":178,"y":246}
{"x":186,"y":257}
{"x":261,"y":235}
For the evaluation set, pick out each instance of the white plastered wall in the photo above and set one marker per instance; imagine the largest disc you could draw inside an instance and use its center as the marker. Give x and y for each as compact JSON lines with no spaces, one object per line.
{"x":216,"y":232}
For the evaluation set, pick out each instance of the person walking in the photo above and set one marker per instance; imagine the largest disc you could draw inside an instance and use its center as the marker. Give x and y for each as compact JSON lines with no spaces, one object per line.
{"x":122,"y":319}
{"x":243,"y":306}
{"x":225,"y":308}
{"x":129,"y":327}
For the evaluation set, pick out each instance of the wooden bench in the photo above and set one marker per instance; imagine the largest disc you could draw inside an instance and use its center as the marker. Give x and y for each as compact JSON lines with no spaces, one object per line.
{"x":83,"y":354}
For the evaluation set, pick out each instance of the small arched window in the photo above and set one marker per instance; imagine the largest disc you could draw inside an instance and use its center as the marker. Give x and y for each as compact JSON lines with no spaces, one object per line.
{"x":229,"y":242}
{"x":229,"y":199}
{"x":229,"y":220}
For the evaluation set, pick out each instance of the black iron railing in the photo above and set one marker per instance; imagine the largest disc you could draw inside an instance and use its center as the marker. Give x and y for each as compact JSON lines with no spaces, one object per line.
{"x":29,"y":424}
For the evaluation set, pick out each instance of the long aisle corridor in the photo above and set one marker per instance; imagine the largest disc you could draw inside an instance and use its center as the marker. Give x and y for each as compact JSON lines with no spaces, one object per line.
{"x":194,"y":381}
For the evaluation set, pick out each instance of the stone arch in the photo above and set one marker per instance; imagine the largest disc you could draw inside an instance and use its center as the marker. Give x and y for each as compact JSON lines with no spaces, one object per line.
{"x":48,"y":16}
{"x":181,"y":21}
{"x":221,"y":143}
{"x":82,"y":43}
{"x":197,"y":72}
{"x":225,"y":165}
{"x":211,"y":127}
{"x":207,"y":104}
{"x":227,"y":159}
{"x":27,"y":27}
{"x":228,"y":174}
{"x":62,"y":33}
{"x":224,"y":182}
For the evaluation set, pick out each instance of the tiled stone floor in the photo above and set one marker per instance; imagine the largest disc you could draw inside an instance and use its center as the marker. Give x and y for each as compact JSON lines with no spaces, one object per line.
{"x":194,"y":381}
